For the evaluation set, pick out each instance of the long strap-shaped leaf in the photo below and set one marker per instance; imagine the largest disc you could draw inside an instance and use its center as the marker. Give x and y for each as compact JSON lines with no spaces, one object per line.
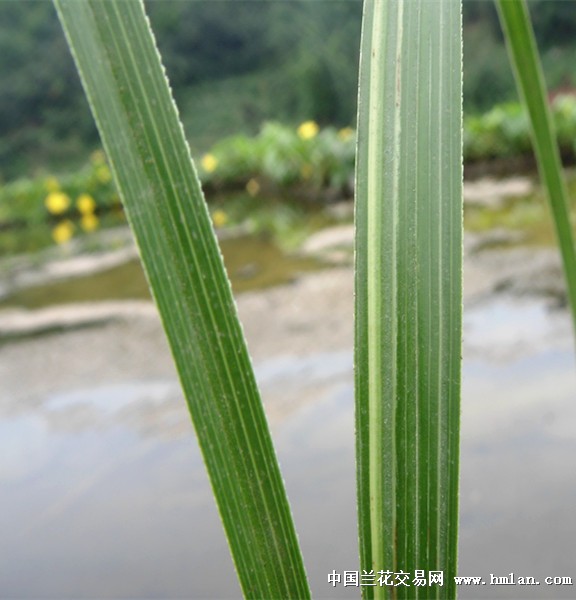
{"x":521,"y":43}
{"x":408,"y":292}
{"x":128,"y":92}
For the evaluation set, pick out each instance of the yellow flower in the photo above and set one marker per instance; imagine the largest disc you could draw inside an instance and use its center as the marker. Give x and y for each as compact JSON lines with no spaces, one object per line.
{"x":85,"y":204}
{"x":209,"y":163}
{"x":57,"y":202}
{"x":306,"y":171}
{"x":307,"y":130}
{"x":52,"y":185}
{"x":252,"y":187}
{"x":219,"y":218}
{"x":345,"y":133}
{"x":103,"y":174}
{"x":89,"y":222}
{"x":63,"y":232}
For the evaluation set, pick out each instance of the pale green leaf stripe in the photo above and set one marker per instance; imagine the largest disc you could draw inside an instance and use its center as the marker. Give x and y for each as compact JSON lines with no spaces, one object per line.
{"x":408,"y":291}
{"x":128,"y":92}
{"x":521,"y":43}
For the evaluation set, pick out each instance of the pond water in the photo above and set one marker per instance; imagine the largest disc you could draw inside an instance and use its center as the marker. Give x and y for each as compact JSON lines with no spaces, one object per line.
{"x":252,"y":262}
{"x":104,"y":492}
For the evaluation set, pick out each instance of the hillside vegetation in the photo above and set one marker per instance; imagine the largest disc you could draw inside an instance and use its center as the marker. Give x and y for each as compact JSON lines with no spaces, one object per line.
{"x":234,"y":65}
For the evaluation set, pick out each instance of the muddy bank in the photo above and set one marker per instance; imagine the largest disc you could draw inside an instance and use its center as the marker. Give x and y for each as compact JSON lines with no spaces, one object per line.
{"x":119,"y":336}
{"x":70,"y":345}
{"x":103,"y":287}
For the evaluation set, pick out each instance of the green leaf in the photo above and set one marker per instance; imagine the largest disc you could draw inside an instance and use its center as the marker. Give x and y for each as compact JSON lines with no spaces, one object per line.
{"x":128,"y":92}
{"x":519,"y":35}
{"x":408,"y":291}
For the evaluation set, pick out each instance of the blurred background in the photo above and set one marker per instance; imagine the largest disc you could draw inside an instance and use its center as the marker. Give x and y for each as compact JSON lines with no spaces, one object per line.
{"x":102,"y":487}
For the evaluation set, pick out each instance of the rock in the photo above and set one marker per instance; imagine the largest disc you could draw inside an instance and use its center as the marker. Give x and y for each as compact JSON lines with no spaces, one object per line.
{"x":492,"y":193}
{"x":341,"y":211}
{"x":15,"y":323}
{"x":329,"y":239}
{"x":334,"y":245}
{"x":475,"y":242}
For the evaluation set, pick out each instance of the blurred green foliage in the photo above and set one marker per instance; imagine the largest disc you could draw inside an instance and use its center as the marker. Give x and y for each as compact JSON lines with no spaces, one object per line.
{"x":235,"y":64}
{"x":305,"y":162}
{"x":84,"y":193}
{"x":504,"y":131}
{"x":307,"y":157}
{"x":43,"y":114}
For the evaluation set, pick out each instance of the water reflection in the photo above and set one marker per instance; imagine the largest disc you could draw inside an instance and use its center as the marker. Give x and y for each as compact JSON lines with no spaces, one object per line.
{"x":104,"y":502}
{"x":518,"y":488}
{"x":104,"y":492}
